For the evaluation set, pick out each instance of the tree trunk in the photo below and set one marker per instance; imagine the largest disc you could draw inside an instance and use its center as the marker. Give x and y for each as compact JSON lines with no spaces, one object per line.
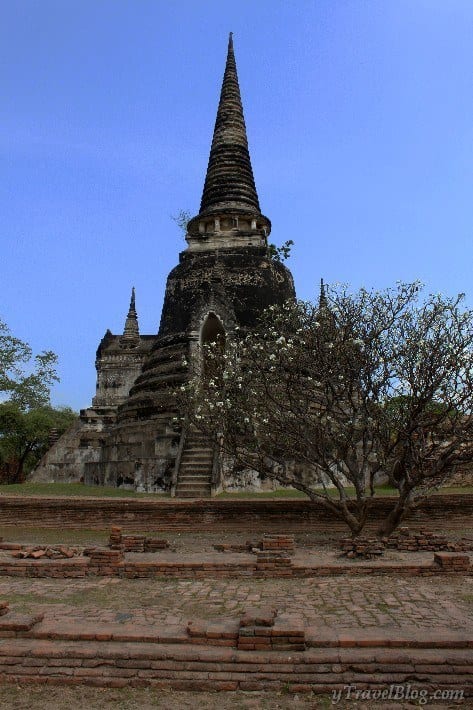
{"x":395,"y":517}
{"x":18,"y":476}
{"x":341,"y":510}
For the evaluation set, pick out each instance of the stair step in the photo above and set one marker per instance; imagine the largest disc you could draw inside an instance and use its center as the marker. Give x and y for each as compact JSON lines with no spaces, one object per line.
{"x":192,"y":471}
{"x":198,"y":447}
{"x":191,"y":478}
{"x":196,"y":491}
{"x":197,"y":459}
{"x":191,"y":463}
{"x":192,"y":488}
{"x":199,"y":465}
{"x":195,"y":469}
{"x":199,"y":472}
{"x":193,"y":484}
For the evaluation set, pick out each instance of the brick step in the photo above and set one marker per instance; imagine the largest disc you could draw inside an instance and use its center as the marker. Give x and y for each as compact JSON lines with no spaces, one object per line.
{"x":194,"y":477}
{"x":202,"y":471}
{"x":195,"y":469}
{"x":197,"y":436}
{"x":110,"y":663}
{"x":198,"y":445}
{"x":190,"y":478}
{"x":193,"y":485}
{"x":202,"y":459}
{"x":193,"y":491}
{"x":198,"y":451}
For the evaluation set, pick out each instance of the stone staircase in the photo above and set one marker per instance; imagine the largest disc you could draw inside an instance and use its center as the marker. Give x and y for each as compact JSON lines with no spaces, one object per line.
{"x":194,"y":478}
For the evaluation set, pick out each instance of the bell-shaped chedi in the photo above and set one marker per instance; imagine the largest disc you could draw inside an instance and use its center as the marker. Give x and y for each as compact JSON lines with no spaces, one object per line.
{"x":225,"y":278}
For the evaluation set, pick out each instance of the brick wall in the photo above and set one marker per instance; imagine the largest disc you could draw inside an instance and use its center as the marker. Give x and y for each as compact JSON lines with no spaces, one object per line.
{"x":447,"y":511}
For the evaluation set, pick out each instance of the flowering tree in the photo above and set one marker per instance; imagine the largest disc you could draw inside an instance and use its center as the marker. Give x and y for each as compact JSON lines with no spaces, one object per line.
{"x":329,"y":397}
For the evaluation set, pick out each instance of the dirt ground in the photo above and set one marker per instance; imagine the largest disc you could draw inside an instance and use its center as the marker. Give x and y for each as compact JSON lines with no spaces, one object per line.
{"x":186,"y":542}
{"x":13,"y":697}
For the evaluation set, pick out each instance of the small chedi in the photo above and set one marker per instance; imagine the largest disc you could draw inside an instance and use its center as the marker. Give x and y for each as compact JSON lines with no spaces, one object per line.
{"x":224,"y":279}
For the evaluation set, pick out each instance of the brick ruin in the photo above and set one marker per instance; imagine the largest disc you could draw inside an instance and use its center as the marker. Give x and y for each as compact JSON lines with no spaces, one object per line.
{"x":224,"y":279}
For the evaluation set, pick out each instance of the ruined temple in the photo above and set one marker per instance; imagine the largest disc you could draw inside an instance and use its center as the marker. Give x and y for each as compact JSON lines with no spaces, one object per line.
{"x":225,"y":278}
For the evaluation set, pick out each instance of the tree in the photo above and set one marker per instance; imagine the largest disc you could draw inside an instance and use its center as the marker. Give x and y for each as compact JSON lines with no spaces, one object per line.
{"x":181,"y":219}
{"x":26,"y":435}
{"x":328,"y":398}
{"x":26,"y":417}
{"x":24,"y":378}
{"x":281,"y":253}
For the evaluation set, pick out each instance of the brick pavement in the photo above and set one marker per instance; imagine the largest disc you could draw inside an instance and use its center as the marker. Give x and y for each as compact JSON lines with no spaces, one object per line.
{"x":339,"y":602}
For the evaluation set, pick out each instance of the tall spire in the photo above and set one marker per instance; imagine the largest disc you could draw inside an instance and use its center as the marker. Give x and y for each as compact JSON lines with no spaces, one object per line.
{"x":229,"y":199}
{"x":131,"y":332}
{"x":229,"y":181}
{"x":322,"y":296}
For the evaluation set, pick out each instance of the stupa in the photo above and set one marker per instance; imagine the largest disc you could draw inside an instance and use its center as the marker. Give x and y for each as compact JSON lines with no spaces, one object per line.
{"x":224,"y":279}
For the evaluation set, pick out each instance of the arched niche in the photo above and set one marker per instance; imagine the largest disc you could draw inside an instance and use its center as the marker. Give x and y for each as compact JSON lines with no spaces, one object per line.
{"x":212,"y":333}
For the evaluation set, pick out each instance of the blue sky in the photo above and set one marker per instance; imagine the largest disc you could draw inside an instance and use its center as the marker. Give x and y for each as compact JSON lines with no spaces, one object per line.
{"x":359,"y":119}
